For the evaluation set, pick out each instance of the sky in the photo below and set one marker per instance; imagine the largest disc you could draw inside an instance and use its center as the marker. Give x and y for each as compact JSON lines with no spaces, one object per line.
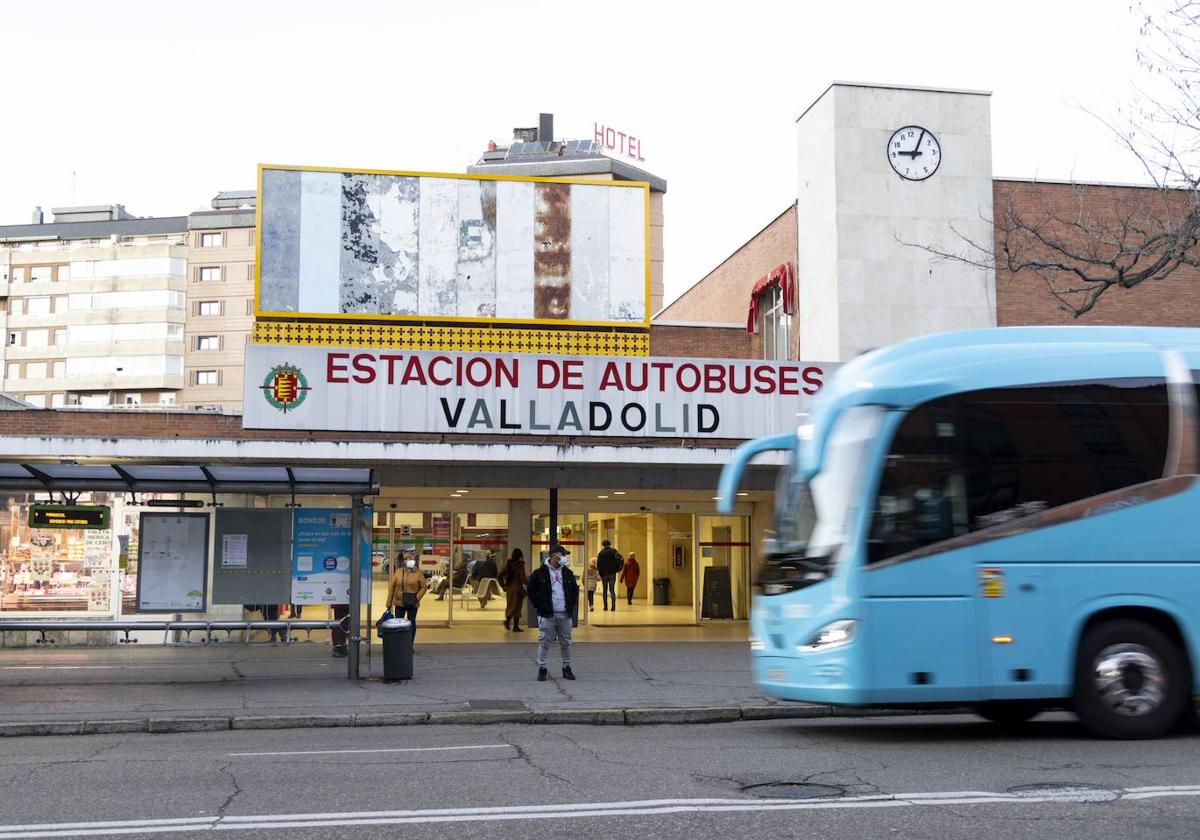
{"x":158,"y":105}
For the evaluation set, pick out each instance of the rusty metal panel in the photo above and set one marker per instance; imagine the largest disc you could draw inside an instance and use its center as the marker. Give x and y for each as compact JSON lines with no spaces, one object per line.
{"x":552,"y":251}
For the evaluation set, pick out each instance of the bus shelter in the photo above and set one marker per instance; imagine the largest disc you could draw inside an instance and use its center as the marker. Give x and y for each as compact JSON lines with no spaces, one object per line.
{"x":64,"y":482}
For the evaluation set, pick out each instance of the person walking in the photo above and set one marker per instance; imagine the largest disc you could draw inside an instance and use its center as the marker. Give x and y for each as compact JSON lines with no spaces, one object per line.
{"x":514,"y":579}
{"x":608,"y":563}
{"x":629,"y":576}
{"x":407,"y":588}
{"x":590,"y":578}
{"x":554,"y":593}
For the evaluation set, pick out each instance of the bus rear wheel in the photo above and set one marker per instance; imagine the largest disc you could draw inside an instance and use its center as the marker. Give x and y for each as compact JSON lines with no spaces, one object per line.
{"x":1009,"y":713}
{"x":1130,"y":681}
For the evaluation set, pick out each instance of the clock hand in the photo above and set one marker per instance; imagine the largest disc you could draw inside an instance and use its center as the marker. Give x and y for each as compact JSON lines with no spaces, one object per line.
{"x":917,"y":148}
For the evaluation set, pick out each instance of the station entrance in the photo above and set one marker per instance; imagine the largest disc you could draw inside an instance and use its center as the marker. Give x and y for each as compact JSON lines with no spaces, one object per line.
{"x":682,"y":564}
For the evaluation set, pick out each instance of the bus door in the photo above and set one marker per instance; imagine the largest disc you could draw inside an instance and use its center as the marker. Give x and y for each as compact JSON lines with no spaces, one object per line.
{"x":1013,"y":603}
{"x":920,"y":624}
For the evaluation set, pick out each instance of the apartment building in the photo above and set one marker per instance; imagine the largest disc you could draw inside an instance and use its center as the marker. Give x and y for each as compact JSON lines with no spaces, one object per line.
{"x":100,"y":308}
{"x":220,"y":306}
{"x":94,"y":307}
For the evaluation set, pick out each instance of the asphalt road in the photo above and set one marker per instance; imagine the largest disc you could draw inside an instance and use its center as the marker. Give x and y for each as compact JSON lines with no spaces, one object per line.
{"x":906,"y":777}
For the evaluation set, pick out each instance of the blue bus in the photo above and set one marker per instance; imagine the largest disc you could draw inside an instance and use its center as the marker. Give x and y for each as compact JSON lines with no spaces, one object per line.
{"x":1001,"y":519}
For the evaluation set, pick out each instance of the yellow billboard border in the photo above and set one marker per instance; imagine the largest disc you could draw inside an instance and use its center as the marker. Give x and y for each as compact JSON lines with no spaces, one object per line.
{"x":360,"y":317}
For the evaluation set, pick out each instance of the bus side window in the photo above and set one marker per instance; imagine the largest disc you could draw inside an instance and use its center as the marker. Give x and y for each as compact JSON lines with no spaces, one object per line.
{"x":979,"y":459}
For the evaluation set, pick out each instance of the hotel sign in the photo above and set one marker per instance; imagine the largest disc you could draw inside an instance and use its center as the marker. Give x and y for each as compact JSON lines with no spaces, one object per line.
{"x":374,"y":390}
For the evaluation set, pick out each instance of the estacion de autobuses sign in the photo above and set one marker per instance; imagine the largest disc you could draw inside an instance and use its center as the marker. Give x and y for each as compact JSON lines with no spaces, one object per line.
{"x":374,"y":390}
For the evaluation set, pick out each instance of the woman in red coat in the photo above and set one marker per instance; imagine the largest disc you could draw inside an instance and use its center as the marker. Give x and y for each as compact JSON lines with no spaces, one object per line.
{"x":629,"y":575}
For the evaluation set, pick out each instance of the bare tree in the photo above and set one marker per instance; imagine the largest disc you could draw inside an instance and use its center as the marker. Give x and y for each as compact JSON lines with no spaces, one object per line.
{"x":1083,"y":241}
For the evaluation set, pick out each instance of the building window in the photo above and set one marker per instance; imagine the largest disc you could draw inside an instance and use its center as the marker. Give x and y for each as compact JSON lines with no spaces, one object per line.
{"x":166,"y":399}
{"x":37,"y":306}
{"x":59,"y":369}
{"x":18,"y":274}
{"x":41,"y":274}
{"x":208,"y":342}
{"x":208,"y":307}
{"x":56,"y":400}
{"x":14,"y":339}
{"x":206,"y":377}
{"x":209,"y":274}
{"x":64,"y":273}
{"x":210,"y":240}
{"x":13,"y":371}
{"x":36,"y":400}
{"x":133,"y":399}
{"x":35,"y":370}
{"x":774,"y":324}
{"x":14,"y":306}
{"x":59,"y":337}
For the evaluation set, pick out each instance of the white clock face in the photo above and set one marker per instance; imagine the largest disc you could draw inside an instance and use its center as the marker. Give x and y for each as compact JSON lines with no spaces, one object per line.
{"x":914,"y":152}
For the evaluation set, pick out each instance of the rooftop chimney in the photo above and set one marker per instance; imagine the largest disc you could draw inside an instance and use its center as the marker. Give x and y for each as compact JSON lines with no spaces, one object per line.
{"x":38,"y":217}
{"x":545,"y":127}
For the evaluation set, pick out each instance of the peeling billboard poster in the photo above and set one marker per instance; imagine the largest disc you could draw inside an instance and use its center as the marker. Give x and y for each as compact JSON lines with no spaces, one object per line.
{"x":363,"y":244}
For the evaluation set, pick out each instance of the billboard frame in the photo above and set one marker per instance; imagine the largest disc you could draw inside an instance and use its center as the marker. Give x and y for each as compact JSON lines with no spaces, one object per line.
{"x":358,"y":317}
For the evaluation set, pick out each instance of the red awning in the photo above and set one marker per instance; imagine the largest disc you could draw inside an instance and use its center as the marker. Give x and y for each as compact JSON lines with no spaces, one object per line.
{"x":780,"y":276}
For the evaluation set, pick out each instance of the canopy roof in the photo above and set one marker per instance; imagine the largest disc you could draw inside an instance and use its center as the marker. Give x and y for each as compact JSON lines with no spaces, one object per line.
{"x":186,"y":478}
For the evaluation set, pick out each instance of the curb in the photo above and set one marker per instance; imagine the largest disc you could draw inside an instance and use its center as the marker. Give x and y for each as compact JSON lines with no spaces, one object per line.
{"x":577,"y":717}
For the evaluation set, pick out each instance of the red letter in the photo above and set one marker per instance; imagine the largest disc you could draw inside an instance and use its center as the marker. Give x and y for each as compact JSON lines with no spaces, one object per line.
{"x":610,"y":138}
{"x":611,"y":377}
{"x":599,"y":132}
{"x":621,"y":134}
{"x":573,"y":374}
{"x":662,"y":368}
{"x":714,"y":379}
{"x":413,"y":372}
{"x":812,"y":377}
{"x":787,"y":381}
{"x":764,"y":375}
{"x":331,"y":368}
{"x":366,"y":370}
{"x":391,"y":360}
{"x":679,"y":377}
{"x":433,"y":362}
{"x":543,"y":366}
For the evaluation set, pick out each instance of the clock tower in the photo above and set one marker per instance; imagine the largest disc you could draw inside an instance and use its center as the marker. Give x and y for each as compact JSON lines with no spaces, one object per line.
{"x":882,"y":171}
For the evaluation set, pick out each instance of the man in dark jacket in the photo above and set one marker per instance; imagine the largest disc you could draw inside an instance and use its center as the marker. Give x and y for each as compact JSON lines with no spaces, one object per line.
{"x":554,"y":593}
{"x":609,"y":563}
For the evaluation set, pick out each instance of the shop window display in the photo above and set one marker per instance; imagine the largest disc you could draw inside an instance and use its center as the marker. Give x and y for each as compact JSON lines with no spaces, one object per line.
{"x":68,"y":570}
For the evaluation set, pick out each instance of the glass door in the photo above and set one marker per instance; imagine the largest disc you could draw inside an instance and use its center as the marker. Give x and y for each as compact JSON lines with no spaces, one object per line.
{"x":480,"y":549}
{"x":723,"y":570}
{"x":425,"y":533}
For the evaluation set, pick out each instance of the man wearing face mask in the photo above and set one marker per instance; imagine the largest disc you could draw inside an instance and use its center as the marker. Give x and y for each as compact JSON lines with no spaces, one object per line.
{"x":407,"y":588}
{"x":554,"y":593}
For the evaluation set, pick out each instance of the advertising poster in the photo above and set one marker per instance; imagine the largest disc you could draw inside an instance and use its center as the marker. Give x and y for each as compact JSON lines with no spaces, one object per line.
{"x":97,"y":549}
{"x":321,"y":555}
{"x":172,"y":562}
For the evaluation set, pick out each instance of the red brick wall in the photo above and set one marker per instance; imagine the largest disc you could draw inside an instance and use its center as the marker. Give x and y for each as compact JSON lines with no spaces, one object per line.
{"x":701,"y":342}
{"x":722,"y":295}
{"x":1023,"y":298}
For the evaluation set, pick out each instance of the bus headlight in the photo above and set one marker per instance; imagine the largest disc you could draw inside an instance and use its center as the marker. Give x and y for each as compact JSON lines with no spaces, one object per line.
{"x":833,"y":635}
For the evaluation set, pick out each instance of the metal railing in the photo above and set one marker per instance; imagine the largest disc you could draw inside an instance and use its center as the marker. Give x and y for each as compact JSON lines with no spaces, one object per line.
{"x":169,"y":627}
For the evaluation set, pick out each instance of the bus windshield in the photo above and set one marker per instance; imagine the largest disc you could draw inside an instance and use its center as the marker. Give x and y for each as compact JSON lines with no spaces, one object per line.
{"x":814,"y":512}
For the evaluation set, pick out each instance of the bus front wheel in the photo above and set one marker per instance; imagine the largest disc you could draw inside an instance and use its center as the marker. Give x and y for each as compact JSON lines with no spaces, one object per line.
{"x":1009,"y":713}
{"x":1130,"y":681}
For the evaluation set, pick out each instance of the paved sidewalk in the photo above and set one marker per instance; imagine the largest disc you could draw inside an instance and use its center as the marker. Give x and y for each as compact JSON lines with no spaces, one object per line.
{"x":69,"y":689}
